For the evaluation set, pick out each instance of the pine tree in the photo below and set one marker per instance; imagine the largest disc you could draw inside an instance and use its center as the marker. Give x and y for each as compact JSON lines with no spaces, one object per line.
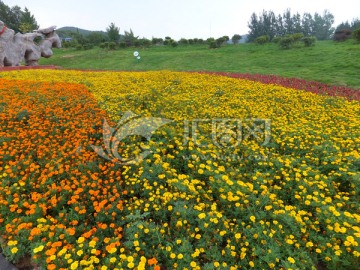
{"x":113,"y":32}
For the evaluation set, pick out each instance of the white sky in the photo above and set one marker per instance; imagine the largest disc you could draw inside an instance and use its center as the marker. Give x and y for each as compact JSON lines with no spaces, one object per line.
{"x":174,"y":18}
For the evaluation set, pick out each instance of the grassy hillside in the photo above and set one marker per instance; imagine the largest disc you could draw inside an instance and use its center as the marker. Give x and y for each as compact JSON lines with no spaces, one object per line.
{"x":328,"y":62}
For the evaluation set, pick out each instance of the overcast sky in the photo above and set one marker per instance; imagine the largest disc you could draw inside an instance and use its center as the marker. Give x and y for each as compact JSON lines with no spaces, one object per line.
{"x":174,"y":18}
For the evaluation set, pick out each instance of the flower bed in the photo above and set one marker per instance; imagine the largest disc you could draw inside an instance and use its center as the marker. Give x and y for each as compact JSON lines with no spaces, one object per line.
{"x":284,"y":195}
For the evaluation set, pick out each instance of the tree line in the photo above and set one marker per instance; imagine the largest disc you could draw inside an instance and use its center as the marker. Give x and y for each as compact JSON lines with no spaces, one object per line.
{"x":17,"y":19}
{"x":266,"y":25}
{"x":269,"y":24}
{"x":112,"y":39}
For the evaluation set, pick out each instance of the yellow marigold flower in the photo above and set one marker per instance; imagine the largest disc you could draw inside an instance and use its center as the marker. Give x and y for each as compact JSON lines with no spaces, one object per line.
{"x":12,"y":243}
{"x":14,"y":250}
{"x":253,"y":218}
{"x":202,"y":215}
{"x":252,"y":264}
{"x":38,"y":249}
{"x":74,"y":265}
{"x":81,"y":240}
{"x":291,"y":260}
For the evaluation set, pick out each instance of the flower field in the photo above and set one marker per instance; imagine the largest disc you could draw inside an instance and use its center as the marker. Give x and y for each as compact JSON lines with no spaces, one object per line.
{"x":243,"y":175}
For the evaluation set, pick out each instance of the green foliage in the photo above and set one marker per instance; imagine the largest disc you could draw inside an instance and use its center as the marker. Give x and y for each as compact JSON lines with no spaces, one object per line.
{"x":356,"y":34}
{"x":129,"y":38}
{"x":104,"y":45}
{"x":236,"y":38}
{"x":146,"y":42}
{"x":137,"y":43}
{"x":262,"y":39}
{"x":27,"y":22}
{"x":209,"y":40}
{"x":122,"y":44}
{"x":309,"y":41}
{"x":112,"y":45}
{"x":297,"y":37}
{"x":96,"y":38}
{"x":157,"y":41}
{"x":113,"y":32}
{"x":17,"y":19}
{"x":174,"y":43}
{"x":214,"y":45}
{"x":273,"y":25}
{"x":286,"y":42}
{"x":183,"y":41}
{"x":220,"y":41}
{"x":276,"y":40}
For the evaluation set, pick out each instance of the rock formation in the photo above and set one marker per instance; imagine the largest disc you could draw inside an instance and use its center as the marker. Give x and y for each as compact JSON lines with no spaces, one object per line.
{"x":15,"y":48}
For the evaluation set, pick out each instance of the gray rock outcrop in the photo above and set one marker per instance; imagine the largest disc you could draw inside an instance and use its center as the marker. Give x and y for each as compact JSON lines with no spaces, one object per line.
{"x":16,"y":48}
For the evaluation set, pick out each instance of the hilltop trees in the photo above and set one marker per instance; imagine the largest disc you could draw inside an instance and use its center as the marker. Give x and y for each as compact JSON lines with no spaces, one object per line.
{"x":27,"y":22}
{"x":113,"y":33}
{"x":236,"y":38}
{"x":269,"y":24}
{"x":17,"y":19}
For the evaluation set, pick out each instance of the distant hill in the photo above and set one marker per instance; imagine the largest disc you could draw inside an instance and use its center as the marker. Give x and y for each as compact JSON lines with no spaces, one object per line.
{"x":66,"y":30}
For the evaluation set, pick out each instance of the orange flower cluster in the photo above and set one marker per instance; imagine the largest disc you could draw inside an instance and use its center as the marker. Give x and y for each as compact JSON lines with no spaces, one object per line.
{"x":55,"y":189}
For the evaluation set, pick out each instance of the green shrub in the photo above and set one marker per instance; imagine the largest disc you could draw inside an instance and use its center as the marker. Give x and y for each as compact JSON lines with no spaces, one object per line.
{"x":297,"y":37}
{"x":262,"y":39}
{"x":112,"y":45}
{"x":137,"y":43}
{"x":88,"y":46}
{"x":103,"y":45}
{"x":183,"y":41}
{"x":146,"y":42}
{"x":66,"y":44}
{"x":122,"y":44}
{"x":174,"y":43}
{"x":286,"y":42}
{"x":276,"y":40}
{"x":79,"y":47}
{"x":309,"y":41}
{"x":220,"y":41}
{"x":356,"y":34}
{"x":213,"y":45}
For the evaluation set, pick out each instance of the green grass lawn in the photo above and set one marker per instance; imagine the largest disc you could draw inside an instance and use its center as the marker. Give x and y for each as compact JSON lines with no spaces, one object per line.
{"x":330,"y":62}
